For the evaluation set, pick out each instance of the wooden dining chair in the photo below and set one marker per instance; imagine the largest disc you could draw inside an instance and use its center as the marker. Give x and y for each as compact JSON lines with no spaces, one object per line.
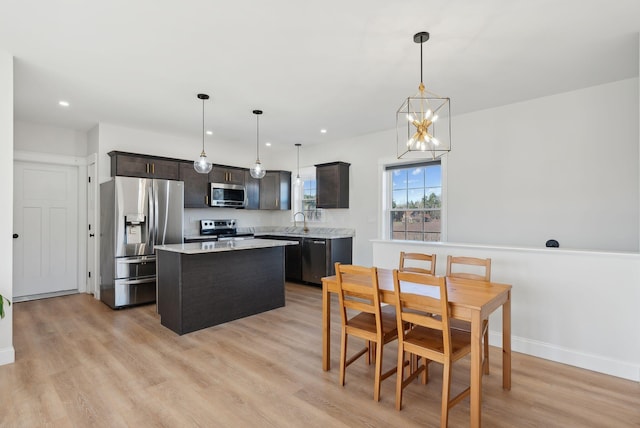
{"x":430,"y":338}
{"x":359,"y":291}
{"x":472,"y":266}
{"x":417,"y":258}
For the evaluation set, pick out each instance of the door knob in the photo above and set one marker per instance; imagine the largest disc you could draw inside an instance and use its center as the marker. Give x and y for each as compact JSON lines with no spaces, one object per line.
{"x":15,"y":236}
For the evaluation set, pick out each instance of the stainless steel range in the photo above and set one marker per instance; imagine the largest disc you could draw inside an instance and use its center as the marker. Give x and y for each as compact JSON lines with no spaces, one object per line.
{"x":221,"y":230}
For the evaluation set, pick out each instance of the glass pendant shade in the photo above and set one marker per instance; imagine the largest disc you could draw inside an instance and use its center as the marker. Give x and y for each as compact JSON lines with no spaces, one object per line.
{"x":202,"y":164}
{"x":256,"y":170}
{"x":423,"y":121}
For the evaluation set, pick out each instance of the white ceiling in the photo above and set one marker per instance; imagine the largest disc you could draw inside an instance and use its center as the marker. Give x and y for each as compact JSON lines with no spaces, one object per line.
{"x":343,"y":65}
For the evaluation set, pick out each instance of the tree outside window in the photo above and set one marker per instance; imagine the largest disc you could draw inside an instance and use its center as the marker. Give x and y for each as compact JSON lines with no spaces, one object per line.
{"x":416,"y":202}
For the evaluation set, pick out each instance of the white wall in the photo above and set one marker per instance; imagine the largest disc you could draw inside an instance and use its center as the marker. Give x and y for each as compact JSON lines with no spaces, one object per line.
{"x":562,"y":167}
{"x":7,"y":354}
{"x":33,"y":137}
{"x":574,"y":307}
{"x":93,"y":140}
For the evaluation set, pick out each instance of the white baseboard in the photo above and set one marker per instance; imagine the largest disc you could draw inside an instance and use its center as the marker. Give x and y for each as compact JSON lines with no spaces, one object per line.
{"x":7,"y":355}
{"x":597,"y":363}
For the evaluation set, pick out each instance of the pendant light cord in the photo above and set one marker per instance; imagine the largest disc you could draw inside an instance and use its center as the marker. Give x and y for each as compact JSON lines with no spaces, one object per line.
{"x":258,"y":136}
{"x":203,"y":125}
{"x":421,"y":81}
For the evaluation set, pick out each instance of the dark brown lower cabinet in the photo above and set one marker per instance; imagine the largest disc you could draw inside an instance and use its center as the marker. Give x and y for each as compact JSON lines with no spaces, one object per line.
{"x":197,"y":291}
{"x":314,"y":258}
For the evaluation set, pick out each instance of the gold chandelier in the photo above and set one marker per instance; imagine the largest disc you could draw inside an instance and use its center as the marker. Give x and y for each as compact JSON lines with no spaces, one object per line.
{"x":423,"y":121}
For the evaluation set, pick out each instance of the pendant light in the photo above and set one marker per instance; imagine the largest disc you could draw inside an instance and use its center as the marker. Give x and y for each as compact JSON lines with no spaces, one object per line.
{"x":423,"y":122}
{"x":202,"y":164}
{"x":298,"y":179}
{"x":257,"y":171}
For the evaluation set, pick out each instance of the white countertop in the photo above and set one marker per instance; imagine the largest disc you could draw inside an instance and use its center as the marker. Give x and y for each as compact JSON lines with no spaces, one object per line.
{"x":313,"y":234}
{"x":231,"y":245}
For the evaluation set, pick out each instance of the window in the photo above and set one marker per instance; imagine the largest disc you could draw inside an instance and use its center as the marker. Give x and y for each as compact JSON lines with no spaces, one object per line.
{"x":304,"y":196}
{"x":416,"y":201}
{"x":309,"y":195}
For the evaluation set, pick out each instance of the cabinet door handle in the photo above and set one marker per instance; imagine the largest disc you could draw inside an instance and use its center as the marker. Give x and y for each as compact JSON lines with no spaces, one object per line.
{"x":153,"y":168}
{"x":147,"y":166}
{"x":206,"y":199}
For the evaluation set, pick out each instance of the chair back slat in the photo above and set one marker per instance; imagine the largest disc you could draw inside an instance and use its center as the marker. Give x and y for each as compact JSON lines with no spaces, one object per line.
{"x":358,"y":290}
{"x":415,"y":262}
{"x":418,"y":319}
{"x":418,"y":298}
{"x":485,"y":264}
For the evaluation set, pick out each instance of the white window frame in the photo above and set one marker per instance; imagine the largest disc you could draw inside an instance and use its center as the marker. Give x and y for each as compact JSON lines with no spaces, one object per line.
{"x":306,"y":173}
{"x":386,"y":196}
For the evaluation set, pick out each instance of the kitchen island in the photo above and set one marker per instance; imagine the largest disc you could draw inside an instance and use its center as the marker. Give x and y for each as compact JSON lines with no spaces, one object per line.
{"x":209,"y":283}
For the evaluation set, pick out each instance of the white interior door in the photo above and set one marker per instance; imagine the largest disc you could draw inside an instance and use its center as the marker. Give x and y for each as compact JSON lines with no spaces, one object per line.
{"x":45,"y":252}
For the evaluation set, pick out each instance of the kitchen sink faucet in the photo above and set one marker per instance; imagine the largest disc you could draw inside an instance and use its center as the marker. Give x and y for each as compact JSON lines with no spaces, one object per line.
{"x":304,"y":221}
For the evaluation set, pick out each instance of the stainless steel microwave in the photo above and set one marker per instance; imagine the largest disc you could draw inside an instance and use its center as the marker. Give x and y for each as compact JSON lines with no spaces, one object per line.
{"x":228,"y":195}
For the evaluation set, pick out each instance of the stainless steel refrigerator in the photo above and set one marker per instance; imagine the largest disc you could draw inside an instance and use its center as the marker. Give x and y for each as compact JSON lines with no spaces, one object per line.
{"x":135,"y":215}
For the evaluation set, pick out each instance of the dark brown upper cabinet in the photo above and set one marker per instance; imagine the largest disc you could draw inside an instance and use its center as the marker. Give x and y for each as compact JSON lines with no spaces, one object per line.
{"x":332,"y":182}
{"x":196,"y":186}
{"x":223,"y":174}
{"x":275,"y":191}
{"x":144,"y":166}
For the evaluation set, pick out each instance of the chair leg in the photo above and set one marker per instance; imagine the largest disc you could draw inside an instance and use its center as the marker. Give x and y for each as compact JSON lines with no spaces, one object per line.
{"x":446,"y":387}
{"x":425,"y":373}
{"x":343,"y":356}
{"x":399,"y":378}
{"x":378,"y":381}
{"x":485,"y":361}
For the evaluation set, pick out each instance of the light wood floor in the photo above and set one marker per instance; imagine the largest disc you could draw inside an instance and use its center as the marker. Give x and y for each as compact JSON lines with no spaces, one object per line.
{"x":79,"y":363}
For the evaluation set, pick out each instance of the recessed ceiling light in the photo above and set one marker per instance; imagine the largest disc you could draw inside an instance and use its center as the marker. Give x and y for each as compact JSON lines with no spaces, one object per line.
{"x":63,"y":103}
{"x":267,"y":144}
{"x":323,"y":131}
{"x":209,"y":132}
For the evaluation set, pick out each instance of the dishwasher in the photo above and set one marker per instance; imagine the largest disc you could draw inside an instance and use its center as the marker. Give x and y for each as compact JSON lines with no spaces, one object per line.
{"x":314,"y":259}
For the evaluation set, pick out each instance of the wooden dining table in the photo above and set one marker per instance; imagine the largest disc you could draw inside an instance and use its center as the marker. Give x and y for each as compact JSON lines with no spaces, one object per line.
{"x":470,"y":300}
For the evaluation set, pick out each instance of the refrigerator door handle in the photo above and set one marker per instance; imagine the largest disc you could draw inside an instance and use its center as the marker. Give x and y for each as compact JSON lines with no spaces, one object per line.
{"x":156,"y":220}
{"x":152,"y":217}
